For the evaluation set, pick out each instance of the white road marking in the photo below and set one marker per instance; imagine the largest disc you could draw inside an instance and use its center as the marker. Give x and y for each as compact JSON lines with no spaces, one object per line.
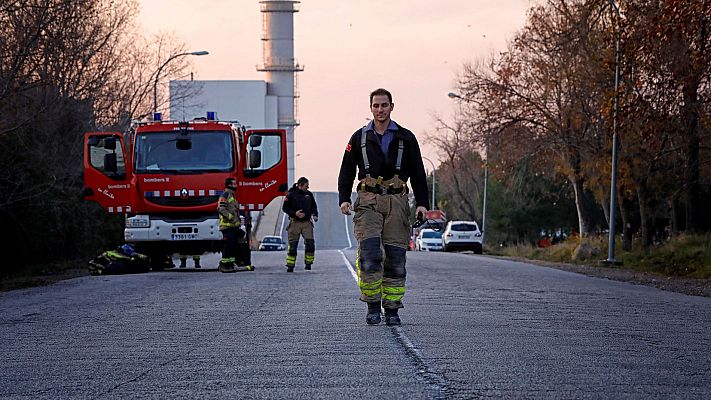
{"x":348,"y":233}
{"x":283,"y":219}
{"x":348,"y":264}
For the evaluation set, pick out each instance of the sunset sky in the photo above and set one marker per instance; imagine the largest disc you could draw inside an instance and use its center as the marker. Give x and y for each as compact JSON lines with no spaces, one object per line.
{"x":414,"y":48}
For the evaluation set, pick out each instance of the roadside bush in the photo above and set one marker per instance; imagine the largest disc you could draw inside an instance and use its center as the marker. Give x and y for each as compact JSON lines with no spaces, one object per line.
{"x":684,"y":256}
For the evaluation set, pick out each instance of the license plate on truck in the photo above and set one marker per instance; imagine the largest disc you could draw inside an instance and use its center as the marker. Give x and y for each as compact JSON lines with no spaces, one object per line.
{"x":184,"y":236}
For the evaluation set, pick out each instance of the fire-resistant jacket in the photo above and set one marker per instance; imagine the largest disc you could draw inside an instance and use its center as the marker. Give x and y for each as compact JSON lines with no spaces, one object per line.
{"x":228,"y":208}
{"x":411,"y":165}
{"x":297,"y":199}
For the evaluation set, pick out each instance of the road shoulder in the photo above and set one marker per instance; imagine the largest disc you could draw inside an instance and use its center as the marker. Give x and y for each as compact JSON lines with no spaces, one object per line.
{"x":693,"y":287}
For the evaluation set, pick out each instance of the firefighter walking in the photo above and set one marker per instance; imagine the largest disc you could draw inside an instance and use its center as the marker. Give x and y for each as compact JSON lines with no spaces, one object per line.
{"x":385,"y":155}
{"x":228,"y":209}
{"x":300,"y":206}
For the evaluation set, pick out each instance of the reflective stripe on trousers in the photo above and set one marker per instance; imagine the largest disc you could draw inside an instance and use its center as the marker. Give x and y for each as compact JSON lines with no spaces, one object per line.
{"x":381,"y":277}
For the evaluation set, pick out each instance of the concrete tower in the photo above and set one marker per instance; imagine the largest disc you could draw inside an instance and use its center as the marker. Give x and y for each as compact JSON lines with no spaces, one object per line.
{"x":281,"y":67}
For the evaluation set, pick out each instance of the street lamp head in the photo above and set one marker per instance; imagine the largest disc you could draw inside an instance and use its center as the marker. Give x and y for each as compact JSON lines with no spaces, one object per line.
{"x":453,"y":95}
{"x":155,"y":82}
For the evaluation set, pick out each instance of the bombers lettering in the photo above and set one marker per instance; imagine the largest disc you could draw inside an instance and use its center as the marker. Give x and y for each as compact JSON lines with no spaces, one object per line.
{"x":122,"y":186}
{"x":156,"y":180}
{"x":251,"y":183}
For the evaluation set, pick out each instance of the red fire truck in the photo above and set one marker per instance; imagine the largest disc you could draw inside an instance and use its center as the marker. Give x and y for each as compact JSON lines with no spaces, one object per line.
{"x":166,"y":178}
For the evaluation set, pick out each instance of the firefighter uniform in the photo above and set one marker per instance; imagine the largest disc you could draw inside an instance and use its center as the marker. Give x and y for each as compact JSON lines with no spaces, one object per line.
{"x":228,"y":209}
{"x":300,"y":200}
{"x":382,"y":210}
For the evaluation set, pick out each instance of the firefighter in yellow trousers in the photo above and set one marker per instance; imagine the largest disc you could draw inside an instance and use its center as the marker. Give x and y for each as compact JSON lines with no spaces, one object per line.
{"x":228,"y":209}
{"x":385,"y":155}
{"x":300,"y":206}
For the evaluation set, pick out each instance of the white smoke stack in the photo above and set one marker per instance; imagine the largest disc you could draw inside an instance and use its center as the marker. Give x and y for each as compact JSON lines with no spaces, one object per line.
{"x":281,"y":66}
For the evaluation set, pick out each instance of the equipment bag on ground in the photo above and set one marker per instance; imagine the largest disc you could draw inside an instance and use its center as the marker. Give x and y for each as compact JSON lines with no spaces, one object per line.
{"x":123,"y":260}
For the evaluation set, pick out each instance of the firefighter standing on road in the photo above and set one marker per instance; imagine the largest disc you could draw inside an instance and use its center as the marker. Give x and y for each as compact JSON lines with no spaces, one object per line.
{"x":228,"y":208}
{"x":386,"y":156}
{"x":300,"y":206}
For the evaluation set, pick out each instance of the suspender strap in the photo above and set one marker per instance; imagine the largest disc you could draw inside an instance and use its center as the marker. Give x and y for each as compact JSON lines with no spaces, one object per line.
{"x":366,"y":163}
{"x":400,"y":148}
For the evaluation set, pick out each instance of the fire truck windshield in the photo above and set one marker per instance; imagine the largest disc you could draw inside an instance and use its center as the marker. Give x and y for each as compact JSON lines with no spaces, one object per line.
{"x":160,"y":153}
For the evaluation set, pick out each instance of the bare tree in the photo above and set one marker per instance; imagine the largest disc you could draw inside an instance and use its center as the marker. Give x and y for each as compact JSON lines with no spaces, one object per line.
{"x":66,"y":68}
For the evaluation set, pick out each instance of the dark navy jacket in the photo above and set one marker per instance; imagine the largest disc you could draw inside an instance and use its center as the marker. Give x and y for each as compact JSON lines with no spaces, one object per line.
{"x":411,"y":168}
{"x":297,"y":199}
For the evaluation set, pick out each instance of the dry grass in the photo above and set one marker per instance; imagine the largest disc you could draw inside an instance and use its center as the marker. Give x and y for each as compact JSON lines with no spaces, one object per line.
{"x":684,"y":256}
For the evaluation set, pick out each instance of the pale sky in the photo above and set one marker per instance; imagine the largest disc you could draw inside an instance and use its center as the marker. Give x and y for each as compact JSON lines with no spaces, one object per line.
{"x":414,"y":48}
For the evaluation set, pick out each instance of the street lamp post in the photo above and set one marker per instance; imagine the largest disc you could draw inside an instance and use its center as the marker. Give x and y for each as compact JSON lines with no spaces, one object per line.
{"x":434,"y":180}
{"x":615,"y":145}
{"x":171,"y":58}
{"x":483,"y":208}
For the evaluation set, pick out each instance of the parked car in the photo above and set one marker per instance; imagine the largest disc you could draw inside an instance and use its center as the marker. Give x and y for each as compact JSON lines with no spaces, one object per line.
{"x":428,"y":240}
{"x":462,"y":235}
{"x":272,"y":243}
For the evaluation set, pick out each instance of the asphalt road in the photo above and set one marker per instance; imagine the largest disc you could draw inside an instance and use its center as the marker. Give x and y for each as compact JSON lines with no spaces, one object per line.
{"x":473,"y":327}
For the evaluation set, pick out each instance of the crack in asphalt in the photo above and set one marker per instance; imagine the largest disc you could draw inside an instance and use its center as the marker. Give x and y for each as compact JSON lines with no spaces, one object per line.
{"x":435,"y":381}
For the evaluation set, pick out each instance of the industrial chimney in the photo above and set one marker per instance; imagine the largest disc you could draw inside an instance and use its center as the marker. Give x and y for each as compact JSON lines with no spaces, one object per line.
{"x":281,"y":67}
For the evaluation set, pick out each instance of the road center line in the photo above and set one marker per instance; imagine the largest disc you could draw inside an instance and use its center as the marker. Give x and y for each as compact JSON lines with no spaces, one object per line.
{"x":283,"y":221}
{"x":348,"y":264}
{"x":348,"y":233}
{"x":435,"y":381}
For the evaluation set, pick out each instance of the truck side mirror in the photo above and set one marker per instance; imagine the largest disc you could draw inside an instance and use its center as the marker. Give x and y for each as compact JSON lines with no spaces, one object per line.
{"x":110,"y":164}
{"x":110,"y":143}
{"x":255,"y":159}
{"x":255,"y":140}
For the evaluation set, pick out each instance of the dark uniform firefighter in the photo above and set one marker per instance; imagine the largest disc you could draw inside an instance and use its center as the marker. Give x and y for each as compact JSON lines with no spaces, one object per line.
{"x":300,"y":206}
{"x":228,"y":209}
{"x":386,"y":156}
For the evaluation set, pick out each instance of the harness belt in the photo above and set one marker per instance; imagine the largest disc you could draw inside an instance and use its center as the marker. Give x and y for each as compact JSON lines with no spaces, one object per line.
{"x":380,"y":189}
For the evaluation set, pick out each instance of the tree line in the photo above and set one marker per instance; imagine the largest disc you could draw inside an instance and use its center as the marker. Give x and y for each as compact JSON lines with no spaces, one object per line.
{"x":540,"y":115}
{"x":67,"y":67}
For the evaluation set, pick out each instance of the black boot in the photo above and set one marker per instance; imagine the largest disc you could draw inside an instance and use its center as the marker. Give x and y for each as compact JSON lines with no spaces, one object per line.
{"x":307,"y":267}
{"x":373,"y":317}
{"x":391,"y":317}
{"x":226,"y":267}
